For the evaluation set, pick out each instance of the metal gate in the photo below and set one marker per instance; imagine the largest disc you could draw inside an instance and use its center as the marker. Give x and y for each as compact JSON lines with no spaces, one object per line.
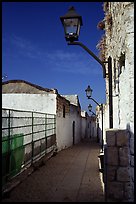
{"x":26,"y":137}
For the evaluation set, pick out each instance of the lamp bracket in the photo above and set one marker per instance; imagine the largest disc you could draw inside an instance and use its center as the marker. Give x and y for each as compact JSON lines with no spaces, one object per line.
{"x":92,"y":54}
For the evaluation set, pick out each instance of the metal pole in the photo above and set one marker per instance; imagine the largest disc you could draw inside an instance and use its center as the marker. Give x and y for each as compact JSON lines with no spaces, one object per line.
{"x":9,"y":147}
{"x":110,"y":93}
{"x":104,"y":75}
{"x":94,"y":101}
{"x":93,"y":113}
{"x":101,"y":106}
{"x":32,"y":138}
{"x":102,"y":127}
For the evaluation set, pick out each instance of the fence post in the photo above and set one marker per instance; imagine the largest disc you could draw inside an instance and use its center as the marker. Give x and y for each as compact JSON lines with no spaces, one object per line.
{"x":45,"y":131}
{"x":32,"y":139}
{"x":9,"y":153}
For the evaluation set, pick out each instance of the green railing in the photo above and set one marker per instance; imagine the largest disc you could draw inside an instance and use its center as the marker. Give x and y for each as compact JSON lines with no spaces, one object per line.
{"x":26,"y":137}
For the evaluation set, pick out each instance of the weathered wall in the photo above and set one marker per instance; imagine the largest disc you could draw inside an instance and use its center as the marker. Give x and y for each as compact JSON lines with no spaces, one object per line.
{"x":45,"y":103}
{"x":88,"y":126}
{"x":52,"y":104}
{"x":119,"y":42}
{"x":64,"y":137}
{"x":65,"y":124}
{"x":105,"y":121}
{"x":92,"y":128}
{"x":75,"y":115}
{"x":83,"y":127}
{"x":119,"y":32}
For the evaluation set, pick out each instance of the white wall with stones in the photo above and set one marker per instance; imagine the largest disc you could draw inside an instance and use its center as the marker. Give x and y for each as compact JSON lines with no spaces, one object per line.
{"x":119,"y":31}
{"x":120,"y":39}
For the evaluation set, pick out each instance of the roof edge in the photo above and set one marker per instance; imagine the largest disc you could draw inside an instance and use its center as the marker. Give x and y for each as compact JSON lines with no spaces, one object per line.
{"x":29,"y":83}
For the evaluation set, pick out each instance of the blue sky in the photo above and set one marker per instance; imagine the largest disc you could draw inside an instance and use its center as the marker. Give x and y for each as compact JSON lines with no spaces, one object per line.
{"x":34,"y":48}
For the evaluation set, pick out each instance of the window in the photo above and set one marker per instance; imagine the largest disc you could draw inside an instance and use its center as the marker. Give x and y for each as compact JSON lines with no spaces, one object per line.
{"x":121,"y":62}
{"x":63,"y":111}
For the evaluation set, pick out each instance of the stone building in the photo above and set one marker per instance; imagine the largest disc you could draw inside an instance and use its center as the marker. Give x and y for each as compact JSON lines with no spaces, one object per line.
{"x":118,"y":43}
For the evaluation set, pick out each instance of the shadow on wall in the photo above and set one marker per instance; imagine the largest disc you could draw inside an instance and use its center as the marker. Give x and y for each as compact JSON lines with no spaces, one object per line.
{"x":131,"y":138}
{"x":128,"y":127}
{"x":131,"y":134}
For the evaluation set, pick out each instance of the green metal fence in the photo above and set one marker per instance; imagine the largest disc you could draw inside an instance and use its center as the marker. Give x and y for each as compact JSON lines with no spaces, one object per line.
{"x":26,"y":137}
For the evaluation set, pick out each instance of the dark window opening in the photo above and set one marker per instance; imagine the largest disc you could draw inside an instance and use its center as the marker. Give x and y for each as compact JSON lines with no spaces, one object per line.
{"x":63,"y":111}
{"x":121,"y":62}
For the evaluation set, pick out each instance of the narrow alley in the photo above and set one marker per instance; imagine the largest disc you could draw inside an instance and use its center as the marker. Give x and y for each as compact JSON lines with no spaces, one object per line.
{"x":72,"y":175}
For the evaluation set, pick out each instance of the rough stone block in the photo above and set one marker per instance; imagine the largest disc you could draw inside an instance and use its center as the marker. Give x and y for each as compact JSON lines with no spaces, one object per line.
{"x":111,"y":172}
{"x":122,"y":138}
{"x":132,"y":160}
{"x":129,"y":192}
{"x":110,"y":137}
{"x":123,"y":156}
{"x":112,"y":156}
{"x":132,"y":173}
{"x":132,"y":145}
{"x":115,"y":190}
{"x":123,"y":174}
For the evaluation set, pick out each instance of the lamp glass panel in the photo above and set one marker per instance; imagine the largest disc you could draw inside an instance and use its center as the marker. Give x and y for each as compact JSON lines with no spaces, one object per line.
{"x":88,"y":91}
{"x":71,"y":26}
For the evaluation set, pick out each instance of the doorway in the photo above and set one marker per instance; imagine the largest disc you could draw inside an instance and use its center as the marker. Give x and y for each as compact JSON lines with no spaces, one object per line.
{"x":73,"y":127}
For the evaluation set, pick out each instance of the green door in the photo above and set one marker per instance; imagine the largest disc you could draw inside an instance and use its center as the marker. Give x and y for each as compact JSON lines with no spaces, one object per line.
{"x":12,"y":156}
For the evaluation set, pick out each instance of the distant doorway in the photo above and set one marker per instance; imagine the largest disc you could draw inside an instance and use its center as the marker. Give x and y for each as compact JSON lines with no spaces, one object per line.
{"x":73,"y":132}
{"x":98,"y":140}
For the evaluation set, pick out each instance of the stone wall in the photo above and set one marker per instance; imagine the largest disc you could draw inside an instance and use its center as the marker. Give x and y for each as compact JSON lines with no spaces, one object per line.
{"x":119,"y":45}
{"x":63,"y":105}
{"x":118,"y":167}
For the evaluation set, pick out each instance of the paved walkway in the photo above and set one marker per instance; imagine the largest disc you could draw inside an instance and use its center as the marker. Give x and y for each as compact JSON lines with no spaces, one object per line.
{"x":70,"y":176}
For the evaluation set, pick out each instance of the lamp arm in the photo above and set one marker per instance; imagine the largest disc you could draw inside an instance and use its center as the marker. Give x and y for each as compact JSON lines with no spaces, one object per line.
{"x":93,"y":113}
{"x":92,"y":54}
{"x":94,"y":101}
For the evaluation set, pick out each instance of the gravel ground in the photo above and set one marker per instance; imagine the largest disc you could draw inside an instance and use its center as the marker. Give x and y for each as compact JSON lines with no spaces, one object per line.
{"x":70,"y":176}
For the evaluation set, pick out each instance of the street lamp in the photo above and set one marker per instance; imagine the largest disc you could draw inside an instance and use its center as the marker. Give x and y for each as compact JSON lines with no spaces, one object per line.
{"x":90,"y":110}
{"x":89,"y":94}
{"x":90,"y":107}
{"x":72,"y":22}
{"x":88,"y":91}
